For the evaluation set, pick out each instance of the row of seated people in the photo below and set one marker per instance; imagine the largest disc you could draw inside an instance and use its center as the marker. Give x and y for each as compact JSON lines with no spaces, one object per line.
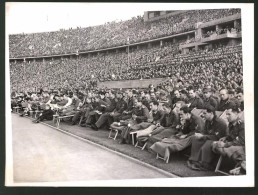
{"x":164,"y":121}
{"x":221,"y":31}
{"x":221,"y":67}
{"x":110,"y":34}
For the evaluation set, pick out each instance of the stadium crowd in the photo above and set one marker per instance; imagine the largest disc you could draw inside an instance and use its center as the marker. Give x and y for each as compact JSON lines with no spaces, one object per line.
{"x":110,"y":34}
{"x":220,"y":67}
{"x":199,"y":107}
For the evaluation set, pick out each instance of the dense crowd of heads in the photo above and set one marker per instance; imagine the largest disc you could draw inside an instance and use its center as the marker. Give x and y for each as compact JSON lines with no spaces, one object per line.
{"x":110,"y":34}
{"x":220,"y":68}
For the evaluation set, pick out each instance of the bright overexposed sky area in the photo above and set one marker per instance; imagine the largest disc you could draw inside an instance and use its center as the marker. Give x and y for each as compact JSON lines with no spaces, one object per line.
{"x":42,"y":17}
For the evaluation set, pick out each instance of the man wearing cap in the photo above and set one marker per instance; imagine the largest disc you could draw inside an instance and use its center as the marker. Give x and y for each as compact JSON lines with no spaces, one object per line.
{"x":232,"y":145}
{"x":201,"y":149}
{"x":208,"y":100}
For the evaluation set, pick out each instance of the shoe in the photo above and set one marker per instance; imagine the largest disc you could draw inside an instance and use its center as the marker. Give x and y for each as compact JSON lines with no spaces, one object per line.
{"x":94,"y":127}
{"x":35,"y":121}
{"x":21,"y":115}
{"x":83,"y":125}
{"x":192,"y":166}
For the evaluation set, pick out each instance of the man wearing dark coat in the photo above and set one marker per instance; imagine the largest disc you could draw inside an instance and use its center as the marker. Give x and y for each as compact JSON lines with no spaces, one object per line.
{"x":104,"y":118}
{"x":194,"y":101}
{"x":208,"y":100}
{"x":232,"y":145}
{"x":127,"y":113}
{"x":201,"y":149}
{"x":189,"y":125}
{"x":47,"y":114}
{"x":170,"y":123}
{"x":225,"y":102}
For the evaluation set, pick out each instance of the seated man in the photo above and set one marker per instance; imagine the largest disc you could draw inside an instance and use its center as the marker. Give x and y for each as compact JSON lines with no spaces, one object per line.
{"x":140,"y":114}
{"x":121,"y":106}
{"x":201,"y":151}
{"x":104,"y":118}
{"x":127,"y":113}
{"x":189,"y":125}
{"x":225,"y":102}
{"x":208,"y":99}
{"x":74,"y":107}
{"x":170,"y":123}
{"x":194,"y":101}
{"x":233,"y":145}
{"x":46,"y":115}
{"x":155,"y":117}
{"x":102,"y":103}
{"x":83,"y":112}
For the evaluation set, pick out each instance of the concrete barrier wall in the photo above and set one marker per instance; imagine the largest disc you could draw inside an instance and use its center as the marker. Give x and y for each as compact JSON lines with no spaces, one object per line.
{"x":144,"y":83}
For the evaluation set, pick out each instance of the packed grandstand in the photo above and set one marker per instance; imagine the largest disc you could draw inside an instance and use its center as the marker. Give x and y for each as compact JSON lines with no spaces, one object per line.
{"x":198,"y":104}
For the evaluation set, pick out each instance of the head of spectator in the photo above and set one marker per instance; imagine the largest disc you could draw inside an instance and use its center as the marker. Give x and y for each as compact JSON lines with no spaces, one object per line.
{"x":185,"y":113}
{"x":233,"y":115}
{"x":142,"y":93}
{"x":102,"y":95}
{"x":97,"y":98}
{"x":224,"y":94}
{"x":231,"y":93}
{"x":88,"y":100}
{"x":166,"y":107}
{"x":111,"y":95}
{"x":240,"y":95}
{"x":119,"y":95}
{"x":183,"y":94}
{"x":106,"y":95}
{"x":191,"y":92}
{"x":147,"y":97}
{"x":208,"y":113}
{"x":154,"y":105}
{"x":177,"y":93}
{"x":207,"y":93}
{"x":152,"y":96}
{"x":178,"y":105}
{"x":129,"y":93}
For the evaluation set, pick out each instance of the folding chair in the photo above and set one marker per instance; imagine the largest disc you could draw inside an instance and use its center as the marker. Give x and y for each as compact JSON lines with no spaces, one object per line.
{"x":218,"y":166}
{"x":61,"y":117}
{"x":116,"y":131}
{"x":16,"y":109}
{"x":166,"y":160}
{"x":141,"y":147}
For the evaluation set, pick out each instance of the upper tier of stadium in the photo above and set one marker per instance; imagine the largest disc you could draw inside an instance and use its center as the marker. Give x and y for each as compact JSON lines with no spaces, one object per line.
{"x":109,"y":35}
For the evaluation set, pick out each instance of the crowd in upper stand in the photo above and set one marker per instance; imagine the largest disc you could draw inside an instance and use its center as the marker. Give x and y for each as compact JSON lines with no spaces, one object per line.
{"x":110,"y":34}
{"x":220,"y":67}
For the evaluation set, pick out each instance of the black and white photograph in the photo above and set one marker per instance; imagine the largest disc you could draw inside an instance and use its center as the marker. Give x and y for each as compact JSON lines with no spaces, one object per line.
{"x":129,"y":94}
